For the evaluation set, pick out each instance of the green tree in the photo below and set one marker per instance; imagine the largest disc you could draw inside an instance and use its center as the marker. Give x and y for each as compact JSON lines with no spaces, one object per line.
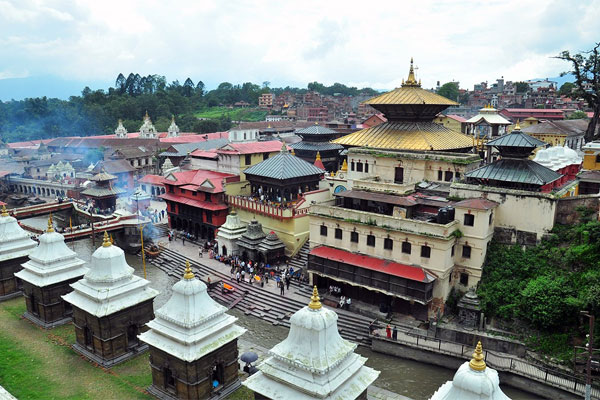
{"x":577,"y":115}
{"x":566,"y":89}
{"x":449,"y":90}
{"x":522,"y":87}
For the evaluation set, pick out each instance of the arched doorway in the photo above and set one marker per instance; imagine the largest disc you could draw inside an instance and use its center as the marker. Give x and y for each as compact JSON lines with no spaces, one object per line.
{"x":224,"y":250}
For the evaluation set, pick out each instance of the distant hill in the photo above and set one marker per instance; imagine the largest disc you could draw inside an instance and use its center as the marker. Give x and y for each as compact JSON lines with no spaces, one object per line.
{"x":49,"y":86}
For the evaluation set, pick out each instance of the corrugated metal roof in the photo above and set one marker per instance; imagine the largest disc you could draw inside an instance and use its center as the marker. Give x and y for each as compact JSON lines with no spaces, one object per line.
{"x":380,"y":197}
{"x":102,"y":192}
{"x":516,"y":139}
{"x":316,"y":130}
{"x":283,"y":166}
{"x":411,"y":95}
{"x":573,"y":127}
{"x":316,"y":146}
{"x":181,"y":149}
{"x":515,"y":171}
{"x":407,"y":136}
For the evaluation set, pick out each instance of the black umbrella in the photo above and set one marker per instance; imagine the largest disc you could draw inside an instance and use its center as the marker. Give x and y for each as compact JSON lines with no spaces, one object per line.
{"x":249,"y":357}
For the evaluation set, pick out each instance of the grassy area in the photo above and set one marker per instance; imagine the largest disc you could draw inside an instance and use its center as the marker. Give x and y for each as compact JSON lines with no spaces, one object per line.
{"x":236,"y":114}
{"x":40,"y":364}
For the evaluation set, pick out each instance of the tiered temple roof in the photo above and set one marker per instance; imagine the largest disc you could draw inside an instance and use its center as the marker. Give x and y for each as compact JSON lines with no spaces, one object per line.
{"x":15,"y":242}
{"x":110,"y":285}
{"x":313,"y":362}
{"x":410,"y":111}
{"x":191,"y":324}
{"x":283,"y":166}
{"x":253,"y":236}
{"x":51,"y":261}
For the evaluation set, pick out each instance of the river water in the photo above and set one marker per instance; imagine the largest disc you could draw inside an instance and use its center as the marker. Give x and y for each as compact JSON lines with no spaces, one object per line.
{"x":412,"y":379}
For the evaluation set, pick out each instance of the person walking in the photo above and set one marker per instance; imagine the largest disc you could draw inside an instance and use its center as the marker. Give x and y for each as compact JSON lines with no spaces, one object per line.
{"x":348,"y":302}
{"x":237,"y":276}
{"x":395,"y":333}
{"x":183,"y":240}
{"x":282,"y":287}
{"x":243,"y":275}
{"x":288,"y":280}
{"x":388,"y":332}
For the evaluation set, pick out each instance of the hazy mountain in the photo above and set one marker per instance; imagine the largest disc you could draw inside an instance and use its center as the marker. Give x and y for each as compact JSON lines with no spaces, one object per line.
{"x":49,"y":86}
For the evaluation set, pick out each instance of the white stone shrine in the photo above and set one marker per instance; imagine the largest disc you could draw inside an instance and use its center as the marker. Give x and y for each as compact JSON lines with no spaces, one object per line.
{"x":229,"y":233}
{"x":121,"y":132}
{"x":173,"y":129}
{"x":147,"y":130}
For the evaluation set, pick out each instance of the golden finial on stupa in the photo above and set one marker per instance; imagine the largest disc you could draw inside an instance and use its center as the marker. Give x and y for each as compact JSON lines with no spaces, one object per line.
{"x":283,"y":147}
{"x":106,"y":241}
{"x":293,"y":152}
{"x":4,"y":212}
{"x":188,"y":271}
{"x":146,"y":116}
{"x":517,"y":126}
{"x":477,"y":363}
{"x":411,"y":81}
{"x":316,"y":122}
{"x":318,"y":156}
{"x":112,"y":241}
{"x":50,"y":227}
{"x":344,"y":166}
{"x":315,"y":301}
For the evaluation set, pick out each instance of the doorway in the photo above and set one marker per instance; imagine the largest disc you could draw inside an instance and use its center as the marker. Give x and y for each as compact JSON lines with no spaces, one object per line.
{"x":399,"y":175}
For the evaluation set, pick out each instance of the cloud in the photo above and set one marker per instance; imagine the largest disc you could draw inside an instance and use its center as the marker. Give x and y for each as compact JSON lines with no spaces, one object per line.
{"x":293,"y":43}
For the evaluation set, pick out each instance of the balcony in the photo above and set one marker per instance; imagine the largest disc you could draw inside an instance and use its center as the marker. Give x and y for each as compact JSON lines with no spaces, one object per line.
{"x":263,"y":208}
{"x":376,"y":184}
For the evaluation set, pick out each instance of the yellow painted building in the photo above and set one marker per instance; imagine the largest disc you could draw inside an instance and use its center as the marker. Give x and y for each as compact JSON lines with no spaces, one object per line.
{"x":591,"y":156}
{"x":452,"y":122}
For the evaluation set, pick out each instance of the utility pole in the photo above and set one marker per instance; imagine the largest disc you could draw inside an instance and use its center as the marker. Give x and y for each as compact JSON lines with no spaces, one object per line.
{"x":590,"y":349}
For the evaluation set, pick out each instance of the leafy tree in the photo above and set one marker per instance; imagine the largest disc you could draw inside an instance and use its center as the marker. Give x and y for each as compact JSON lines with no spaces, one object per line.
{"x":200,"y":88}
{"x":566,"y":89}
{"x":120,"y":83}
{"x":586,"y":69}
{"x":522,"y":87}
{"x":188,"y":87}
{"x":449,"y":90}
{"x":577,"y":115}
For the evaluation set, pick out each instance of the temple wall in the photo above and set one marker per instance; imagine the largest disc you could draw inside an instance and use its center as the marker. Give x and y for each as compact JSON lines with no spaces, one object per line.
{"x":9,"y":284}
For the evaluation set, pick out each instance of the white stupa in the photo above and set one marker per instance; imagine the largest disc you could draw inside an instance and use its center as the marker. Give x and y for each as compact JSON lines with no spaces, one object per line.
{"x":147,"y":130}
{"x":557,"y":157}
{"x":191,"y":324}
{"x":229,"y":233}
{"x":173,"y":130}
{"x":15,"y":242}
{"x":314,"y":362}
{"x":109,"y":285}
{"x":473,"y":381}
{"x":51,"y":261}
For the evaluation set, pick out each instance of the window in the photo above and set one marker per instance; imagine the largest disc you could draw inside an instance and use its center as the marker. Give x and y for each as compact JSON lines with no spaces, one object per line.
{"x":448,"y":176}
{"x":338,"y":233}
{"x":466,"y":251}
{"x":265,"y":156}
{"x":248,"y":159}
{"x":406,"y":247}
{"x":440,"y":175}
{"x":352,"y":166}
{"x":169,"y":379}
{"x":598,"y":158}
{"x":359,"y":167}
{"x":452,"y":252}
{"x":464,"y":279}
{"x":354,"y":237}
{"x":182,"y":191}
{"x":469,"y":220}
{"x":366,"y":167}
{"x":398,"y":175}
{"x":194,"y":193}
{"x":457,"y":175}
{"x":207,"y":196}
{"x":425,"y":251}
{"x":388,"y":244}
{"x":491,"y":218}
{"x":209,"y":217}
{"x":371,"y":240}
{"x":323,"y":230}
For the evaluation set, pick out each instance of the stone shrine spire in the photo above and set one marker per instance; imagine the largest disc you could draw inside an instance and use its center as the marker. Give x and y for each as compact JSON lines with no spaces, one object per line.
{"x":147,"y":130}
{"x":173,"y":130}
{"x":121,"y":132}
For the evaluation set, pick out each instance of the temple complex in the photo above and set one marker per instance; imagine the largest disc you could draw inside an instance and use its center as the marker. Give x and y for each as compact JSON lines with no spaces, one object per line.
{"x":473,"y":381}
{"x":51,"y":269}
{"x":228,"y":235}
{"x":15,"y":246}
{"x":111,"y":305}
{"x":193,"y":345}
{"x":316,"y":140}
{"x":410,"y":112}
{"x":313,"y":362}
{"x":103,"y":193}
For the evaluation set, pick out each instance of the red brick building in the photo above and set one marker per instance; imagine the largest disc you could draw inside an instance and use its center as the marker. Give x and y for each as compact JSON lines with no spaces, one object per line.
{"x":196,"y":201}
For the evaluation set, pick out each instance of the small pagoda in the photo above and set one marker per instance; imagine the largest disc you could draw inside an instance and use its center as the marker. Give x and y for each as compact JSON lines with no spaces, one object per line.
{"x":410,"y":111}
{"x":487,"y":124}
{"x":147,"y":130}
{"x":249,"y":241}
{"x":316,"y":141}
{"x":283,"y":178}
{"x":15,"y":246}
{"x":514,"y":170}
{"x":271,"y":249}
{"x":51,"y":269}
{"x":173,"y":130}
{"x":193,"y":345}
{"x":111,"y":305}
{"x":473,"y":381}
{"x":121,"y":132}
{"x":228,"y":235}
{"x":103,"y":193}
{"x":314,"y":362}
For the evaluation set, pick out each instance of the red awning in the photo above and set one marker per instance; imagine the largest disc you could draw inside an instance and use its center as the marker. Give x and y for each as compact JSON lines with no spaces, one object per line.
{"x":207,"y":205}
{"x":372,"y":263}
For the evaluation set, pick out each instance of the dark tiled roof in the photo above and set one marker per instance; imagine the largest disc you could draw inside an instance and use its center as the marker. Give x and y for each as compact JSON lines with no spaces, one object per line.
{"x":181,"y":149}
{"x":316,"y":130}
{"x":516,"y":139}
{"x":117,"y":166}
{"x":573,"y":127}
{"x":103,"y":192}
{"x":316,"y":146}
{"x":283,"y":166}
{"x":515,"y":171}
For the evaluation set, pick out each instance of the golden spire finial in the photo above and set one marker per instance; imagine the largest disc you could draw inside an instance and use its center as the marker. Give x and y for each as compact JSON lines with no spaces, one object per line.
{"x":146,"y":116}
{"x":112,"y":241}
{"x":318,"y":156}
{"x":477,"y":363}
{"x":293,"y":152}
{"x":120,"y":121}
{"x":315,"y":301}
{"x":269,"y":126}
{"x":283,"y":147}
{"x":344,"y":166}
{"x":4,"y":212}
{"x":106,"y":240}
{"x":50,"y":227}
{"x":316,"y":122}
{"x":517,"y":126}
{"x":411,"y":81}
{"x":188,"y":271}
{"x":172,"y":118}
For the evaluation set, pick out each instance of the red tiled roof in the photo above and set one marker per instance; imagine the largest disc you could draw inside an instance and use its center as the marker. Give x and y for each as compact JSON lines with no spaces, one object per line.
{"x":207,"y":205}
{"x":456,"y":117}
{"x":152,"y":179}
{"x":251,"y":147}
{"x":477,"y":204}
{"x":534,"y":110}
{"x":204,"y":154}
{"x":32,"y":144}
{"x":201,"y":137}
{"x":197,"y":177}
{"x":372,"y":263}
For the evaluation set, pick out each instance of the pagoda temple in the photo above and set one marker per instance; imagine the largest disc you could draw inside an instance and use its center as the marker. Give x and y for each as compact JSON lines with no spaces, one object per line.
{"x":111,"y":305}
{"x":313,"y":362}
{"x":103,"y":193}
{"x":147,"y":130}
{"x":15,"y":246}
{"x":410,"y":111}
{"x":249,"y":241}
{"x":121,"y":132}
{"x":316,"y":140}
{"x":473,"y":381}
{"x":271,"y":249}
{"x":514,"y":170}
{"x":488,"y":123}
{"x":173,"y":130}
{"x":229,"y":233}
{"x":193,"y":345}
{"x":51,"y":268}
{"x":282,"y":178}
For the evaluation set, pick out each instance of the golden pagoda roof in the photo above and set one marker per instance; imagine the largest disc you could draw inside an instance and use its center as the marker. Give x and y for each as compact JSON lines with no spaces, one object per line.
{"x":407,"y":136}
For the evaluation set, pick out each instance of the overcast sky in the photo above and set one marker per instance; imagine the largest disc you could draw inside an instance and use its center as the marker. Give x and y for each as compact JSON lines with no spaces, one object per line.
{"x":361,"y":43}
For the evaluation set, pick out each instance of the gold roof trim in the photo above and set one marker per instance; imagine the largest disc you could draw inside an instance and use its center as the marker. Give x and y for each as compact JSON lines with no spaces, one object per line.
{"x":188,"y":271}
{"x":315,"y":301}
{"x":318,"y":156}
{"x":344,"y":166}
{"x":477,"y":363}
